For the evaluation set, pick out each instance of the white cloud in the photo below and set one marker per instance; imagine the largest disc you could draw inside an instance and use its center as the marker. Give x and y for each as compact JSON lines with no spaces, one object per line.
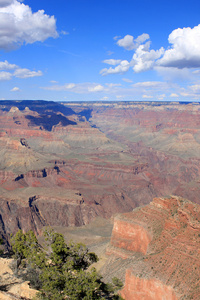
{"x":5,"y":76}
{"x":161,"y":97}
{"x":127,"y":80}
{"x":18,"y":25}
{"x":119,"y":97}
{"x":112,"y":62}
{"x":69,"y":86}
{"x":26,"y":73}
{"x":121,"y":68}
{"x":129,"y":43}
{"x":144,"y":59}
{"x":112,"y":85}
{"x":185,"y":49}
{"x":104,"y":98}
{"x":196,"y":72}
{"x":116,"y":37}
{"x":147,"y":96}
{"x":172,"y":63}
{"x":4,"y":3}
{"x":195,"y":88}
{"x":5,"y":65}
{"x":148,"y":84}
{"x":18,"y":72}
{"x":96,"y":88}
{"x":140,"y":90}
{"x":15,"y":89}
{"x":174,"y":95}
{"x":66,"y":87}
{"x":79,"y":88}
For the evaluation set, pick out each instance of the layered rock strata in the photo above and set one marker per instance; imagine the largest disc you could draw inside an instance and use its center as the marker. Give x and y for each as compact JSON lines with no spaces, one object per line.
{"x":161,"y":242}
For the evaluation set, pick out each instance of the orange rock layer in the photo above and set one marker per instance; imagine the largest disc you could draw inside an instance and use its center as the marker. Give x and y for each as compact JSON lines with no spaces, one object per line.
{"x":162,"y":242}
{"x":145,"y":289}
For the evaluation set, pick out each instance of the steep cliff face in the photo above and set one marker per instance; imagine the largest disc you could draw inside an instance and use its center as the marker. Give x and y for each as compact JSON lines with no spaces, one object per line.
{"x":130,"y":236}
{"x":40,"y":211}
{"x":147,"y":289}
{"x":161,"y":243}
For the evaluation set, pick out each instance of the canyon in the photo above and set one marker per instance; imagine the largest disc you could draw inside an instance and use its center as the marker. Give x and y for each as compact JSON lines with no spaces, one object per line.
{"x":93,"y":159}
{"x":66,"y":165}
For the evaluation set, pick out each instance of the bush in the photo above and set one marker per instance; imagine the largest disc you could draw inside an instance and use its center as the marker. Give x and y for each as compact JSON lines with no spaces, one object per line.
{"x":62,"y":271}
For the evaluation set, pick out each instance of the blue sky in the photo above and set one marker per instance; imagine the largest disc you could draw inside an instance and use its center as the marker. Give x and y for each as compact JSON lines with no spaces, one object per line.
{"x":73,"y":50}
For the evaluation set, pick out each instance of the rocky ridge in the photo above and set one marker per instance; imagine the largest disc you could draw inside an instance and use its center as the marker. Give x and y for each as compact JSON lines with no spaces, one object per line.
{"x":160,"y":243}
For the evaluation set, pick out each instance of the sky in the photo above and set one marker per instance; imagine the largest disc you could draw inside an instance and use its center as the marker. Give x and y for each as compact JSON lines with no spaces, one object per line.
{"x":100,"y":50}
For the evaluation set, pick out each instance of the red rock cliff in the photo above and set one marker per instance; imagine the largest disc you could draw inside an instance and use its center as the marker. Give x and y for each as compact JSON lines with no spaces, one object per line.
{"x":160,"y":243}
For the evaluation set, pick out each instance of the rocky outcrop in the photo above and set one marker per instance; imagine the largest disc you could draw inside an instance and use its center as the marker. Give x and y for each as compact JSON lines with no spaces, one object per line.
{"x":130,"y":236}
{"x":11,"y":287}
{"x":161,"y":243}
{"x":141,"y":288}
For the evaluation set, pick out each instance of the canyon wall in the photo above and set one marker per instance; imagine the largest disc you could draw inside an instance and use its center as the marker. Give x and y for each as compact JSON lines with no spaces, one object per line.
{"x":115,"y":156}
{"x":161,"y":243}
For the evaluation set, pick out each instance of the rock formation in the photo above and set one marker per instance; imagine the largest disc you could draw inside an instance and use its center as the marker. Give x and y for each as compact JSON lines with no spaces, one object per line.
{"x":11,"y":287}
{"x":117,"y":156}
{"x":161,"y":243}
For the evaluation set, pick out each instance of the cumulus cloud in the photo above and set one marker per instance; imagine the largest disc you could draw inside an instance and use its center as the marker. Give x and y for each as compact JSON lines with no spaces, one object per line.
{"x":5,"y":76}
{"x":147,"y":96}
{"x":4,"y":3}
{"x":17,"y":71}
{"x":173,"y":62}
{"x":195,"y":88}
{"x":129,"y":43}
{"x":5,"y":65}
{"x":174,"y":95}
{"x":185,"y":49}
{"x":144,"y":59}
{"x":18,"y":25}
{"x":15,"y":89}
{"x":96,"y":88}
{"x":26,"y":73}
{"x":121,"y":68}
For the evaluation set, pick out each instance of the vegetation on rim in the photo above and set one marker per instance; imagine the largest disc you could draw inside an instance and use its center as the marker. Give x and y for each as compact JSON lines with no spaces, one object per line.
{"x":60,"y":271}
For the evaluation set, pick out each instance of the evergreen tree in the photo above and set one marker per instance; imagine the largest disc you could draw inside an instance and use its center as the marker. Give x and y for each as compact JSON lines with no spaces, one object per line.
{"x":61,"y":271}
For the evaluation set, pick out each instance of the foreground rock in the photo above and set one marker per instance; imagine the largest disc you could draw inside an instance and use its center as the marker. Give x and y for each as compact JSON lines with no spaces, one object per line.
{"x":159,"y":243}
{"x":11,"y":287}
